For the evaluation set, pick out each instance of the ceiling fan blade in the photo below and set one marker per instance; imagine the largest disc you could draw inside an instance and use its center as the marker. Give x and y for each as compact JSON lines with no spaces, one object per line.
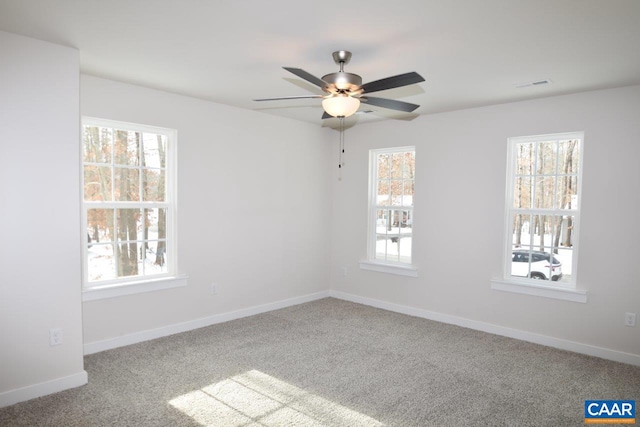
{"x":326,"y":115}
{"x":289,"y":97}
{"x":393,"y":82}
{"x":308,"y":77}
{"x":390,"y":103}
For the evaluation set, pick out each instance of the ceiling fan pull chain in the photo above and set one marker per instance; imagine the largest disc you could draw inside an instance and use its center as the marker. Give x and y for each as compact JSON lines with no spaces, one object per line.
{"x":341,"y":146}
{"x":342,"y":141}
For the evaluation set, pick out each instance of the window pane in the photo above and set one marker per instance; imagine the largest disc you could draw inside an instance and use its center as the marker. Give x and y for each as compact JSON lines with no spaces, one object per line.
{"x":406,"y":222}
{"x":97,"y":183}
{"x":397,"y":165}
{"x":381,"y":247}
{"x":155,"y":223}
{"x":154,"y":187}
{"x":128,"y":262}
{"x":396,"y":192}
{"x":567,"y":196}
{"x":542,"y":231}
{"x":126,"y":147}
{"x":100,"y":225}
{"x":565,"y":230}
{"x":154,"y":149}
{"x":387,"y":248}
{"x":405,"y":238}
{"x":521,"y":230}
{"x":129,"y":224}
{"x":522,"y":192}
{"x":383,"y":165}
{"x":127,"y":184}
{"x":568,"y":156}
{"x":409,"y":165}
{"x":404,"y":249}
{"x":408,"y":193}
{"x":524,"y":159}
{"x":100,"y":262}
{"x":546,"y":158}
{"x":382,"y":198}
{"x":520,"y":266}
{"x":382,"y":221}
{"x":155,"y":258}
{"x":394,"y":224}
{"x":97,"y":144}
{"x":545,"y":192}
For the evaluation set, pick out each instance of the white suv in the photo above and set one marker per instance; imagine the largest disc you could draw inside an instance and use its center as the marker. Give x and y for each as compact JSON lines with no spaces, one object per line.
{"x":539,"y":267}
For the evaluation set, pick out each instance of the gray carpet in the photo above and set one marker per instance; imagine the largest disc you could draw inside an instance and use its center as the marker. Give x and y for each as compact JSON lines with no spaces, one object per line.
{"x":332,"y":363}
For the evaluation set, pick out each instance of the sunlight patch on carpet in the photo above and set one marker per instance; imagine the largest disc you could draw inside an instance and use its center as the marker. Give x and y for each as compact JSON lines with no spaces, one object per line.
{"x":257,"y":399}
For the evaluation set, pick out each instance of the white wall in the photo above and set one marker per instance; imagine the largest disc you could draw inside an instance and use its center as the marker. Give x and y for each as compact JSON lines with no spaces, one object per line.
{"x":39,"y":217}
{"x":460,"y":190}
{"x":253,"y":216}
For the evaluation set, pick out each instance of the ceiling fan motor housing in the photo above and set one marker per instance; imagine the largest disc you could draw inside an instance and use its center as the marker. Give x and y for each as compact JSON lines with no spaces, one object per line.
{"x":343,"y":82}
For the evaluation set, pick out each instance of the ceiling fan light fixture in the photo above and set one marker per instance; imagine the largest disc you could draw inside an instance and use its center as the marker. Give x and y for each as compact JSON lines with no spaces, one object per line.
{"x":341,"y":105}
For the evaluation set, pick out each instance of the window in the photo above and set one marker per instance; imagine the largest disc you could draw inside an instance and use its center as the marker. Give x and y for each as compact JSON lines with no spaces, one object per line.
{"x":128,"y":203}
{"x":543,"y":209}
{"x":391,"y":190}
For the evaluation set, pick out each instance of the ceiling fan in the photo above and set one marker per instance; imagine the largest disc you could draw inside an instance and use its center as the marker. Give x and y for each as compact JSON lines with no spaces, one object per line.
{"x":345,"y":90}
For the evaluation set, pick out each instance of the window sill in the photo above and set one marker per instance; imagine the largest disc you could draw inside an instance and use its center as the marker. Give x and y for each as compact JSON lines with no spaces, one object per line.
{"x":555,"y":292}
{"x":399,"y":270}
{"x":130,"y":288}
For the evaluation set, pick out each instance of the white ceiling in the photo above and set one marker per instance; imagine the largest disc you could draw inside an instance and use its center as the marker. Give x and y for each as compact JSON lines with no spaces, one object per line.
{"x":470,"y":52}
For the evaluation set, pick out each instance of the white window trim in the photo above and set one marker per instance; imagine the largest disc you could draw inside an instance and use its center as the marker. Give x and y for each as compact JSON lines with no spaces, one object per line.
{"x":129,"y":288}
{"x":371,"y":264}
{"x":134,"y":285}
{"x":397,"y":269}
{"x":547,"y":291}
{"x":534,"y":287}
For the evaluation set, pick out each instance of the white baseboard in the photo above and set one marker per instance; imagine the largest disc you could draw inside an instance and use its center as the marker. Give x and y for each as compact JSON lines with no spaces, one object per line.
{"x":97,"y":346}
{"x":604,"y":353}
{"x":12,"y":397}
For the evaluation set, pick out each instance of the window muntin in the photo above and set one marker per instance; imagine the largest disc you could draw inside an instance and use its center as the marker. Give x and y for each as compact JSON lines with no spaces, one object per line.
{"x":543,"y":208}
{"x":128,"y":202}
{"x":392,"y":183}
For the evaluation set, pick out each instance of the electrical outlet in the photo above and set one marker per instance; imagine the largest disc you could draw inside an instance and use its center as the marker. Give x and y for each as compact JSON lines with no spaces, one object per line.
{"x":214,"y":289}
{"x":55,"y":336}
{"x":630,"y":319}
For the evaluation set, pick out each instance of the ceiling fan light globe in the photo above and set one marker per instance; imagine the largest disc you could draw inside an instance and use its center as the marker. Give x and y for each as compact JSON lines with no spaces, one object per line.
{"x":341,"y":105}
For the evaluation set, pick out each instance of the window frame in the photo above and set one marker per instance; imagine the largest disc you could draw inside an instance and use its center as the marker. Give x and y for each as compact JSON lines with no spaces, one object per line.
{"x":140,"y":283}
{"x":371,"y":263}
{"x":525,"y":285}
